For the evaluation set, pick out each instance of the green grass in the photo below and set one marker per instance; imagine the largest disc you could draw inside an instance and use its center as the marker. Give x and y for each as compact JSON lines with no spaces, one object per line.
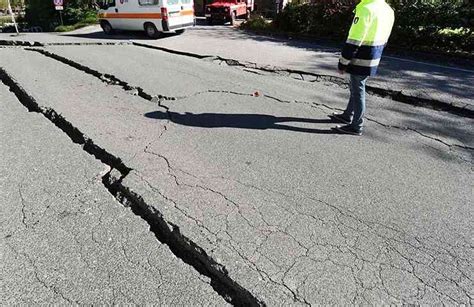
{"x":87,"y":22}
{"x":257,"y":23}
{"x":4,"y":20}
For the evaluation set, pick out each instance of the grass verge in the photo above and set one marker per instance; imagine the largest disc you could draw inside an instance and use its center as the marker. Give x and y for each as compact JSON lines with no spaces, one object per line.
{"x":90,"y":20}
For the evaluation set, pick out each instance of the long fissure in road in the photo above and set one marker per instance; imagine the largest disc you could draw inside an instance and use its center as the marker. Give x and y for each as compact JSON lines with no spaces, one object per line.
{"x":159,"y":98}
{"x":167,"y":233}
{"x":296,"y":257}
{"x":301,"y":75}
{"x":399,"y":96}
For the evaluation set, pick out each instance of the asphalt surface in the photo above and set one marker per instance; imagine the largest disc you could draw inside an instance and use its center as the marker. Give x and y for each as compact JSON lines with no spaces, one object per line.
{"x":242,"y":174}
{"x":65,"y":239}
{"x":437,"y":80}
{"x":427,"y":79}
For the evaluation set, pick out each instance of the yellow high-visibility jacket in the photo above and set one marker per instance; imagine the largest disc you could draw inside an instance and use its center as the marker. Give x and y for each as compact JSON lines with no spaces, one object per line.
{"x":367,"y":38}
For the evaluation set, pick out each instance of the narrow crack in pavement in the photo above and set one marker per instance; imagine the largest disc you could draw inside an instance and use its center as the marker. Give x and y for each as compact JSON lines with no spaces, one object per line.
{"x":23,"y":205}
{"x":388,"y":126}
{"x":423,"y":135}
{"x":39,"y":280}
{"x":166,"y":232}
{"x":342,"y":217}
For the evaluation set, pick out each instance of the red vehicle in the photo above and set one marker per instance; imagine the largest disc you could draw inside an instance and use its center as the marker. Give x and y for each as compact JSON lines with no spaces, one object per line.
{"x":228,"y":10}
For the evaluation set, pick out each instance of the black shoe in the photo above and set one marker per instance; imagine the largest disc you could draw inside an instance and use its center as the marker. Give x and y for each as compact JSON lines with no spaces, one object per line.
{"x":348,"y":130}
{"x":340,"y":118}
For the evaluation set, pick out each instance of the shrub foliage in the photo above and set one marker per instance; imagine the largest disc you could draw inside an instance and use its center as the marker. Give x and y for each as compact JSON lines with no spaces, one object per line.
{"x":42,"y":13}
{"x":429,"y":25}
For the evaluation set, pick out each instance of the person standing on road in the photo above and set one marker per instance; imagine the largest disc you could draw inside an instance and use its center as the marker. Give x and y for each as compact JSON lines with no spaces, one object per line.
{"x":360,"y":58}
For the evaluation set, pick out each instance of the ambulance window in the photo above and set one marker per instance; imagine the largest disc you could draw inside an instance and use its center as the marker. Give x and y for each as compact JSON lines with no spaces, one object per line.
{"x":185,"y":1}
{"x":148,"y":2}
{"x":173,"y":2}
{"x":105,"y":4}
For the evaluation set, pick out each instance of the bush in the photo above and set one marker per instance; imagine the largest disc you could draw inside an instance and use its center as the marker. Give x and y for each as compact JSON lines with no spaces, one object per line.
{"x":42,"y":13}
{"x":257,"y":22}
{"x":73,"y":15}
{"x":322,"y":19}
{"x":427,"y":25}
{"x":71,"y":27}
{"x":433,"y":26}
{"x":64,"y":28}
{"x":460,"y":40}
{"x":5,"y":19}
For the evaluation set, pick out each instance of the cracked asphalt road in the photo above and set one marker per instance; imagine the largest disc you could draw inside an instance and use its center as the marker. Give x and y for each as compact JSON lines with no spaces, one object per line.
{"x":248,"y":194}
{"x":431,"y":79}
{"x":64,"y":239}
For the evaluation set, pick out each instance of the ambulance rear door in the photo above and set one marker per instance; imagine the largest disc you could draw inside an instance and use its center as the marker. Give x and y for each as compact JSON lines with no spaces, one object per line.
{"x":122,"y":14}
{"x":109,"y":12}
{"x":180,"y":14}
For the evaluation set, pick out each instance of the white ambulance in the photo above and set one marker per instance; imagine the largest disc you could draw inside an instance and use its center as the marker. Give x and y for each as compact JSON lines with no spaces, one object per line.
{"x":155,"y":17}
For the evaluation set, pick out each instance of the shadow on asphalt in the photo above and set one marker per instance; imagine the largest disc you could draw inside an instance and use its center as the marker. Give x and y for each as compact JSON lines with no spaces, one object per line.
{"x":241,"y":121}
{"x":118,"y":35}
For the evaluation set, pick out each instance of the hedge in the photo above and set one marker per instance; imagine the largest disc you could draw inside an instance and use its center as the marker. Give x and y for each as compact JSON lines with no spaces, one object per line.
{"x":444,"y":26}
{"x":76,"y":12}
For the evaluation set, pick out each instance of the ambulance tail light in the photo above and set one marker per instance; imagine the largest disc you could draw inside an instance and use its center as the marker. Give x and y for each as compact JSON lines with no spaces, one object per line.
{"x":164,"y":13}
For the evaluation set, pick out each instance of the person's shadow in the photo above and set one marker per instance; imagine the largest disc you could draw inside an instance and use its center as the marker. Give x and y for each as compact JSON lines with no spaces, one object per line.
{"x":242,"y":121}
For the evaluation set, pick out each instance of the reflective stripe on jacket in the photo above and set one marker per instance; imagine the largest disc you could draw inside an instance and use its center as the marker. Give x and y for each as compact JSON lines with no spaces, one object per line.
{"x":367,"y":38}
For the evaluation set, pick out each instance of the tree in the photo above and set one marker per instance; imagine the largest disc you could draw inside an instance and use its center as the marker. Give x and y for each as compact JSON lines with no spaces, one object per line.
{"x":14,"y":3}
{"x":41,"y":13}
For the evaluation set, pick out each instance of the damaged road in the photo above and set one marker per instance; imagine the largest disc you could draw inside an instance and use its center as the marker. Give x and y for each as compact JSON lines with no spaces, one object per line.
{"x":64,"y":239}
{"x":427,"y":81}
{"x":242,"y":184}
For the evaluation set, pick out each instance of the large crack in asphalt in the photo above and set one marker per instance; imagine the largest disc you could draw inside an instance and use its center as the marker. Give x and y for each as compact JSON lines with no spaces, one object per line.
{"x":160,"y":99}
{"x":301,"y":75}
{"x":106,"y":78}
{"x":21,"y":43}
{"x":166,"y":232}
{"x":59,"y":121}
